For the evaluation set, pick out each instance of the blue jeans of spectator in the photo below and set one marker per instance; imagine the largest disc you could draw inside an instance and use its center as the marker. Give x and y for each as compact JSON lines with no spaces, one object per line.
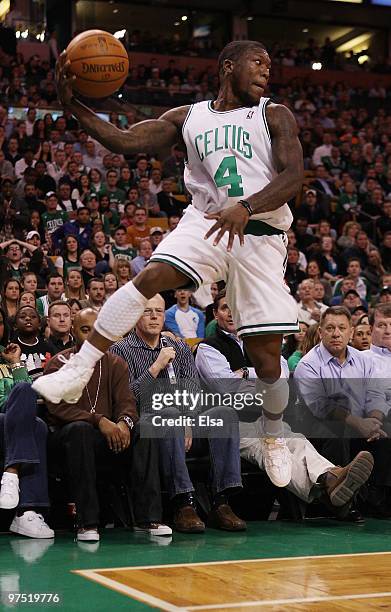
{"x":222,"y":446}
{"x":23,"y":442}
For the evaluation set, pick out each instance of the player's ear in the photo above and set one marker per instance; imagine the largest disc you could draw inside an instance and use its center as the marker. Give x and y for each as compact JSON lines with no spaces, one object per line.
{"x":228,"y":67}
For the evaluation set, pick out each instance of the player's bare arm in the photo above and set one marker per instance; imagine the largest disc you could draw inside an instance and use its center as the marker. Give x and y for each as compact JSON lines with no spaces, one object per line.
{"x":148,"y":136}
{"x":288,"y":158}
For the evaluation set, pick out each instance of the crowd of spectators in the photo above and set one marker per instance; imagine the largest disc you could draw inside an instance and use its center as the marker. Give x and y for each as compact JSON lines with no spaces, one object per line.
{"x":77,"y":222}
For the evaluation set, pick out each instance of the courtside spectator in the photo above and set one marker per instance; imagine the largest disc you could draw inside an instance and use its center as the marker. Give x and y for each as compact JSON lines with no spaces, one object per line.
{"x":148,"y":354}
{"x":101,"y":430}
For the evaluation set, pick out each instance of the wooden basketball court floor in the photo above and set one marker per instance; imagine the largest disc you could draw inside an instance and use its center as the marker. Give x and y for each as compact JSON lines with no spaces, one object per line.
{"x":317,"y":565}
{"x":332,"y":582}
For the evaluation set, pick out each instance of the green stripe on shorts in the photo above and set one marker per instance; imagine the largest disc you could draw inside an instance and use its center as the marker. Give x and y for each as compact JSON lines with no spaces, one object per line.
{"x":178,"y":266}
{"x":260,"y":228}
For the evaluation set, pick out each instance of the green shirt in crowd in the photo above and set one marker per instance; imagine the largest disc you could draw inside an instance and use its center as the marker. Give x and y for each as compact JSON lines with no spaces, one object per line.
{"x":9,"y":378}
{"x":123,"y":253}
{"x":53,"y":220}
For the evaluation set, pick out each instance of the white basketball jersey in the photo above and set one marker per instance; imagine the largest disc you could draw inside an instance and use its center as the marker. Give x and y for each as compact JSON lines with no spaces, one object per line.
{"x":229,"y":158}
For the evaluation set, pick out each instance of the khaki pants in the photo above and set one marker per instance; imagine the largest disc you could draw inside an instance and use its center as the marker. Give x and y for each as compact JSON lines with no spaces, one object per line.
{"x":307,"y":463}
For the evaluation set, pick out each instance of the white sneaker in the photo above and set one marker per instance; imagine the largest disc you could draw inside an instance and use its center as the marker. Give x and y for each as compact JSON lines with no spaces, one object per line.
{"x":32,"y":525}
{"x":155,"y":529}
{"x":87,"y":535}
{"x":9,"y":492}
{"x":67,"y":383}
{"x":277,"y":460}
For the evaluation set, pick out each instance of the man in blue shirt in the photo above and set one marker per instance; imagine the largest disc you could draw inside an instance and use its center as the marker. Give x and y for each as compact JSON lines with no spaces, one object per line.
{"x":339,"y":388}
{"x":184,"y":320}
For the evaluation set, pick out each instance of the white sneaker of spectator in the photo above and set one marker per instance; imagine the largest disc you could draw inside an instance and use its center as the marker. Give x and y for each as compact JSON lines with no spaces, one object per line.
{"x":32,"y":525}
{"x":155,"y":529}
{"x":277,"y":460}
{"x":90,"y":534}
{"x":67,"y":383}
{"x":9,"y":491}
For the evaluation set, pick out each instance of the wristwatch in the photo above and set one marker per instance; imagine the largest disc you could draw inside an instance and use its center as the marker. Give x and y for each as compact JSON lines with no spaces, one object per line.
{"x":128,"y":422}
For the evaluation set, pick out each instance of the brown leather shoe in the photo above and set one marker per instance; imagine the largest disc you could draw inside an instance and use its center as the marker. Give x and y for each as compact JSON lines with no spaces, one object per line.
{"x":341,"y":483}
{"x":223,"y":517}
{"x":186,"y":520}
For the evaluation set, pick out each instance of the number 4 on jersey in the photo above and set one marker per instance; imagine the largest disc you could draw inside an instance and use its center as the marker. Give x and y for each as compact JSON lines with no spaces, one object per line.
{"x":227,"y":174}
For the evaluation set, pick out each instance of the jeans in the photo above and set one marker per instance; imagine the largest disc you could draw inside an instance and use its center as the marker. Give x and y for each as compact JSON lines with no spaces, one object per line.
{"x":83,"y":447}
{"x":223,"y":451}
{"x":23,"y":441}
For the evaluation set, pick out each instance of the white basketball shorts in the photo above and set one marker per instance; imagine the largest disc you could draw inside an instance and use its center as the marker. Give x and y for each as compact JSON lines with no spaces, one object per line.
{"x":259,"y":299}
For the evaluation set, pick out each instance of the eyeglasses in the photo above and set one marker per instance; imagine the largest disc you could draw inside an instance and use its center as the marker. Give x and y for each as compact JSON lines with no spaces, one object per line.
{"x":148,"y":312}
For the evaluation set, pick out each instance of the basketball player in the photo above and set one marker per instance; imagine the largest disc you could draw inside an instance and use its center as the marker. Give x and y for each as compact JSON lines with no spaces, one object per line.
{"x":244,"y":161}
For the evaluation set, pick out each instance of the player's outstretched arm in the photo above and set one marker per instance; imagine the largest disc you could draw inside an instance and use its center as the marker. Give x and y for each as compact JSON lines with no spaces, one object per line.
{"x":147,"y":136}
{"x":288,"y":158}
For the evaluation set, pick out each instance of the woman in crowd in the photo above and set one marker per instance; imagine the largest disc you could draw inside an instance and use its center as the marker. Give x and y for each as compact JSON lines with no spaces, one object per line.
{"x":99,"y":246}
{"x":129,"y":210}
{"x":95,"y":177}
{"x":111,"y":283}
{"x":24,"y":483}
{"x":75,"y":307}
{"x":37,"y":225}
{"x":329,"y":261}
{"x":45,"y":152}
{"x":48,"y":120}
{"x":10,"y":298}
{"x":109,"y":216}
{"x":311,"y":339}
{"x":27,"y":298}
{"x":313,"y":270}
{"x":69,"y":258}
{"x":123,"y":271}
{"x":82,"y":191}
{"x":294,"y":342}
{"x":29,"y":282}
{"x":39,"y":134}
{"x":349,"y":233}
{"x":126,"y":178}
{"x":74,"y":285}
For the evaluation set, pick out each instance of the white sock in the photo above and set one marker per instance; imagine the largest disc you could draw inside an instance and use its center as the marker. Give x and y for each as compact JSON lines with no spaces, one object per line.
{"x":90,"y":354}
{"x":10,"y":476}
{"x":121,"y":312}
{"x":273,"y":428}
{"x":275,"y":398}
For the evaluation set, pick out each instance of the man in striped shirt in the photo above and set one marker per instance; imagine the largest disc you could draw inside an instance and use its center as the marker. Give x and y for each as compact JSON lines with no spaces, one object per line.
{"x":153,"y":358}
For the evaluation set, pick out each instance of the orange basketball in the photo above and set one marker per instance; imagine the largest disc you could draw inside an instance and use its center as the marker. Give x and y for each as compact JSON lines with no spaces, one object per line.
{"x":100,"y":63}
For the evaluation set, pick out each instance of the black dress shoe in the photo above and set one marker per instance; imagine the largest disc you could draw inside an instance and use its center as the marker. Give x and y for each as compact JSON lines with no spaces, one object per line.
{"x":353,"y":516}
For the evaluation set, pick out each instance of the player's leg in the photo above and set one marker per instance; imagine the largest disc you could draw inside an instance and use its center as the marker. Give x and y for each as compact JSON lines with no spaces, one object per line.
{"x":265,"y":354}
{"x":183,"y":258}
{"x":263,"y":310}
{"x":124,"y":308}
{"x":118,"y":315}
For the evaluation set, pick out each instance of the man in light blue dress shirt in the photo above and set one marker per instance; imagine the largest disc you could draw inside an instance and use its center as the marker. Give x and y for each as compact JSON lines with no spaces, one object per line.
{"x":380,"y":349}
{"x":340,"y":389}
{"x":223,"y":367}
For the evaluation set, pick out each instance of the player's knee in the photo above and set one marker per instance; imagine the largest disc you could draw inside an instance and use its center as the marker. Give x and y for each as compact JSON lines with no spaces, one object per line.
{"x":151,"y":280}
{"x":156,"y":277}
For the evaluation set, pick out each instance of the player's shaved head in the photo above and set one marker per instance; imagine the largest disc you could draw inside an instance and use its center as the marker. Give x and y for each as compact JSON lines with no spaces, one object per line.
{"x":82,"y":324}
{"x":235,"y":49}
